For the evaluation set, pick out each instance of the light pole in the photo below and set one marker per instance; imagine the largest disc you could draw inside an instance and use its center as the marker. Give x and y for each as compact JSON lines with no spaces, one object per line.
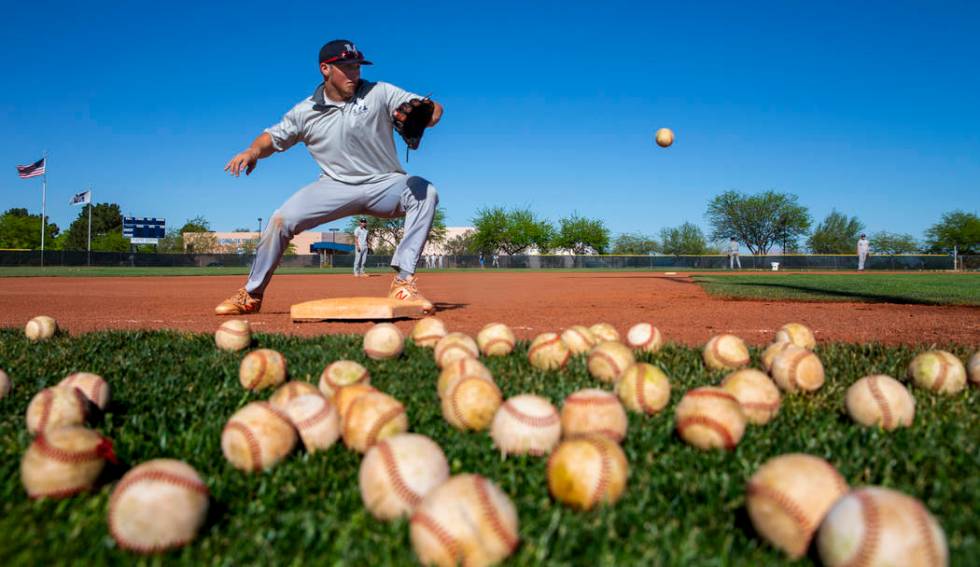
{"x":260,"y":227}
{"x":333,"y":238}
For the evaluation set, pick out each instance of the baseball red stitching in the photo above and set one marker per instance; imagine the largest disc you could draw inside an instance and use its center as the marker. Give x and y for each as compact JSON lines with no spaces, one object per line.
{"x":226,"y":327}
{"x":941,"y":379}
{"x":67,"y":456}
{"x":705,"y":393}
{"x":491,"y":342}
{"x":925,"y":530}
{"x":323,"y":413}
{"x":457,"y":412}
{"x":254,"y":449}
{"x":447,"y":541}
{"x":531,"y":420}
{"x":334,"y":384}
{"x":47,"y":396}
{"x":789,"y":506}
{"x":592,"y":399}
{"x":609,"y":360}
{"x":490,"y":512}
{"x":581,"y":336}
{"x":423,"y":338}
{"x":153,"y":476}
{"x":603,"y":482}
{"x":879,"y":398}
{"x":710,"y":423}
{"x":261,"y":373}
{"x":540,"y":346}
{"x":469,"y":352}
{"x":398,"y":483}
{"x":795,"y":360}
{"x":276,"y":412}
{"x":641,"y":398}
{"x":386,"y":417}
{"x":872,"y":526}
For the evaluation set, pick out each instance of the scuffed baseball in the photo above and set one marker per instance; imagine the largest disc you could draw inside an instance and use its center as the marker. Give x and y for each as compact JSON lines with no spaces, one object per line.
{"x":5,"y":384}
{"x":41,"y":328}
{"x":370,"y":418}
{"x":496,"y":339}
{"x":797,"y":334}
{"x":974,"y":369}
{"x":788,"y":497}
{"x":578,"y":339}
{"x":604,"y":332}
{"x":262,"y":368}
{"x":470,"y":403}
{"x":938,"y":371}
{"x":316,"y":420}
{"x":881,"y":527}
{"x":880,"y":400}
{"x":710,"y":418}
{"x":398,"y":472}
{"x":797,"y":369}
{"x":290,"y":390}
{"x":587,"y":470}
{"x":427,"y":332}
{"x":644,"y":388}
{"x":56,"y":407}
{"x":158,"y":505}
{"x":644,"y":337}
{"x":347,"y":395}
{"x":526,"y":425}
{"x":755,"y":392}
{"x":64,"y":461}
{"x":233,"y":335}
{"x":92,"y":386}
{"x":772,"y":351}
{"x":461,"y":367}
{"x":257,"y":437}
{"x":384,"y":341}
{"x":455,"y":346}
{"x":608,"y":360}
{"x":548,"y":352}
{"x":466,"y":520}
{"x":340,"y":374}
{"x":593,"y":411}
{"x":725,"y":352}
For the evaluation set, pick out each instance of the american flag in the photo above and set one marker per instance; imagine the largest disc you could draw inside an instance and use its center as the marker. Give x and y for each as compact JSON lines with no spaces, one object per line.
{"x":33,"y":170}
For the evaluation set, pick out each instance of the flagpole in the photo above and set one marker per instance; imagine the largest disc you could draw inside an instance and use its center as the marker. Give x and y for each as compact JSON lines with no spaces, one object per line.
{"x":44,"y":192}
{"x":89,"y":226}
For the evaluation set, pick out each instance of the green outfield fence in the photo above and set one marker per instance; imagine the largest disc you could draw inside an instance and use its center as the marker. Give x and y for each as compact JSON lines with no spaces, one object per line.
{"x":787,"y":262}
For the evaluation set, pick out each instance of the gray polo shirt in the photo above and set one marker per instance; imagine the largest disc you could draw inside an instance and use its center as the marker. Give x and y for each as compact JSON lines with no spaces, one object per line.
{"x":360,"y":234}
{"x":352,"y":142}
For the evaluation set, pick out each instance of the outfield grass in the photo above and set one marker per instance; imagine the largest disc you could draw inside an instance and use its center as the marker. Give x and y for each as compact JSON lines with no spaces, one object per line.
{"x":172,"y":393}
{"x":926,"y":289}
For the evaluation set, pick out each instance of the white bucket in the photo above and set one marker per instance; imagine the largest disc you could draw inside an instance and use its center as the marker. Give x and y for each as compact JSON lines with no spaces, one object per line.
{"x":775,"y":266}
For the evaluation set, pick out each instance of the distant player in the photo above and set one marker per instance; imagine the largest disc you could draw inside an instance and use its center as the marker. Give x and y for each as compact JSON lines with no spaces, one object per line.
{"x":346,"y":125}
{"x":863,"y":247}
{"x":360,"y":248}
{"x":733,"y":254}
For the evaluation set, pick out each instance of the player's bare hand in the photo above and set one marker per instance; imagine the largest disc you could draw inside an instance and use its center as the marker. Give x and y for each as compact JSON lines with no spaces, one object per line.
{"x":244,"y":161}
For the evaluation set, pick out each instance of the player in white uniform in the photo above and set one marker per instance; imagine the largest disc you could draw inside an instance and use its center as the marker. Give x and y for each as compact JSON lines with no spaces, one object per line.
{"x":360,"y":248}
{"x":733,"y":255}
{"x":862,"y":247}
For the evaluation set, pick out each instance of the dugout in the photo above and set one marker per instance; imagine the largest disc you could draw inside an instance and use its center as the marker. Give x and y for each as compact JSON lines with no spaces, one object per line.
{"x":327,"y":250}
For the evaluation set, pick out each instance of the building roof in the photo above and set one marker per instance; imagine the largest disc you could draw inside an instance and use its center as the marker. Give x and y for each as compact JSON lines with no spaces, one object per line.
{"x":331,"y":246}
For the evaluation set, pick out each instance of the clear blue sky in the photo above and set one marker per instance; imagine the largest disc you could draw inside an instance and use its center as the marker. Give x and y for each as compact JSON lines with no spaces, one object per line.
{"x":869,"y":107}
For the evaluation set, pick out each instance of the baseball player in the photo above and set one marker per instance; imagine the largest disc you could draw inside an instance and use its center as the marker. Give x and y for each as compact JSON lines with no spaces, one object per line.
{"x":733,"y":254}
{"x":346,"y":125}
{"x":360,"y":248}
{"x":863,"y":247}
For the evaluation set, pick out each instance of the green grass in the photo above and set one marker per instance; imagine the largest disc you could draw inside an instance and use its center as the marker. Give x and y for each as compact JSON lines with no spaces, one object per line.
{"x":172,"y":393}
{"x":926,"y":289}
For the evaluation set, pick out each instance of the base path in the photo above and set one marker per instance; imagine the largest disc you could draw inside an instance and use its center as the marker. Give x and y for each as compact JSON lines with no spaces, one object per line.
{"x":531,"y":303}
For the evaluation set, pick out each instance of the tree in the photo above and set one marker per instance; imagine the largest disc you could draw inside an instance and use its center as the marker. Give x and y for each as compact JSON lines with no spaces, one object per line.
{"x":582,"y":235}
{"x":837,"y":234}
{"x":196,"y":224}
{"x":202,"y":241}
{"x":759,"y":221}
{"x":684,"y":240}
{"x":106,"y":219}
{"x":956,"y":228}
{"x":385,"y":234}
{"x":511,"y":232}
{"x":20,"y":229}
{"x":889,"y":243}
{"x":634,"y":243}
{"x":461,"y":244}
{"x":109,"y":241}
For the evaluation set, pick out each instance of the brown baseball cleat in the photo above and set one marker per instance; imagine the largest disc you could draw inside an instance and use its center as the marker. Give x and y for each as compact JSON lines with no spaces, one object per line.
{"x":242,"y":303}
{"x":407,"y":290}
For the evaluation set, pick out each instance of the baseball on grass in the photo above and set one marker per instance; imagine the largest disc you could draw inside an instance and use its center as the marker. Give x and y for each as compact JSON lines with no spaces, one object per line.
{"x":56,"y":407}
{"x":797,"y":334}
{"x":526,"y":425}
{"x":340,"y":374}
{"x":593,"y":411}
{"x":880,"y":400}
{"x":427,"y":332}
{"x":772,"y":351}
{"x":604,"y":332}
{"x":92,"y":386}
{"x":383,"y":341}
{"x":4,"y":384}
{"x":372,"y":417}
{"x":495,"y":339}
{"x":158,"y":505}
{"x":290,"y":390}
{"x":316,"y":420}
{"x":665,"y":137}
{"x":262,"y":368}
{"x":348,"y":395}
{"x":645,"y":337}
{"x":578,"y":339}
{"x":710,"y":418}
{"x":974,"y":369}
{"x":797,"y":369}
{"x":644,"y":388}
{"x":788,"y":497}
{"x":586,"y":471}
{"x":257,"y":437}
{"x":64,"y":462}
{"x":398,"y":472}
{"x":455,"y":346}
{"x":41,"y":328}
{"x":470,"y":402}
{"x":608,"y":361}
{"x":755,"y":392}
{"x":939,"y":371}
{"x":233,"y":335}
{"x":548,"y":352}
{"x":881,"y":527}
{"x":725,"y":352}
{"x":461,"y":367}
{"x":466,"y":520}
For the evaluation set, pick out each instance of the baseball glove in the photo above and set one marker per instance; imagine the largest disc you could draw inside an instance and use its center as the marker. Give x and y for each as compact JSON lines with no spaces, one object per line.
{"x":411,"y":119}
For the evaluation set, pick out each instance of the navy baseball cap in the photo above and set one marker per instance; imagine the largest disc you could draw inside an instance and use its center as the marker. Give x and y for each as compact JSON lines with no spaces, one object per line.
{"x":341,"y":51}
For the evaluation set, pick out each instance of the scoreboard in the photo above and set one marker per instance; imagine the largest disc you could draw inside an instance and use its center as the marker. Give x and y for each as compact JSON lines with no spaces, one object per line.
{"x":142,"y":230}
